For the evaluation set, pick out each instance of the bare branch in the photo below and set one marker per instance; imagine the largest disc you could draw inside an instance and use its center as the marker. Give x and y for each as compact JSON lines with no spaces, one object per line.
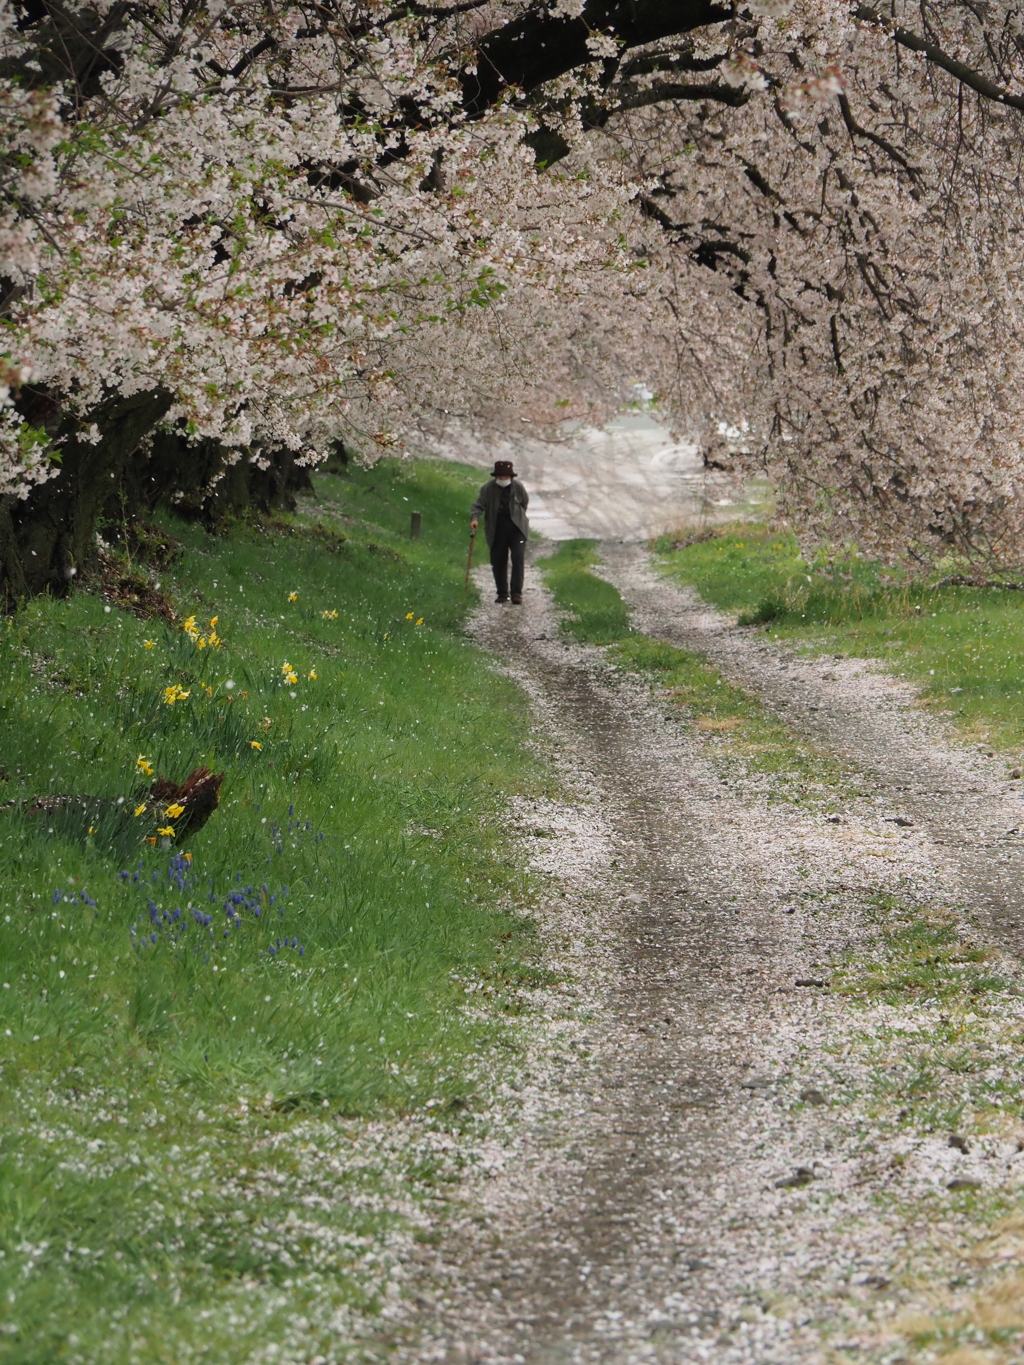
{"x":856,"y":129}
{"x":966,"y":75}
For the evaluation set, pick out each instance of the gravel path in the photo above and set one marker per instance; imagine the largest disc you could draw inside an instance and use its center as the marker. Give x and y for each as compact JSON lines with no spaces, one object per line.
{"x":682,"y":1186}
{"x":972,"y":812}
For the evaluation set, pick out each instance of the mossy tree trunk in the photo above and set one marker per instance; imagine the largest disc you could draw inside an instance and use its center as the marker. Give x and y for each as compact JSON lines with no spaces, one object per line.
{"x":47,"y":538}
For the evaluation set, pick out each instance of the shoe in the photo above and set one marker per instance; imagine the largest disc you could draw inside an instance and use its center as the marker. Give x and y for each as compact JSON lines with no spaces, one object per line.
{"x":517,"y":599}
{"x":502,"y":597}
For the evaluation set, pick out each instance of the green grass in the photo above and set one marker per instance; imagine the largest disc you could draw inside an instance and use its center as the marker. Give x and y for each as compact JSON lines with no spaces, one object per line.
{"x":964,"y":647}
{"x":735,"y":726}
{"x":175,"y":1181}
{"x":593,"y":610}
{"x":921,"y":954}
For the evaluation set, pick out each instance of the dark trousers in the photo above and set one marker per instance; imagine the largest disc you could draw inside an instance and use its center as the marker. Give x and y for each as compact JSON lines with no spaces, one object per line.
{"x":508,"y":540}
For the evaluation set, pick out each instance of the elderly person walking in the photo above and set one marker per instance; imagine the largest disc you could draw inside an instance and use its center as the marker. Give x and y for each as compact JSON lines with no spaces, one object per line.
{"x":502,"y":502}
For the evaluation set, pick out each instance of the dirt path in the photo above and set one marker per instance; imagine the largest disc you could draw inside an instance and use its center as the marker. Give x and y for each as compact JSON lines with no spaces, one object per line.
{"x":972,"y":813}
{"x":655,"y":1210}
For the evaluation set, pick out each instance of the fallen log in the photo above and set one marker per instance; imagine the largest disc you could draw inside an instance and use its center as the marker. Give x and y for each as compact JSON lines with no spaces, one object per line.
{"x":184,"y":806}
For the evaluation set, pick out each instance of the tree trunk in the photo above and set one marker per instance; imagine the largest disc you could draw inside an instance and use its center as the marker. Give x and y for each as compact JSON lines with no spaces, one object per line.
{"x":48,"y":537}
{"x":198,"y":482}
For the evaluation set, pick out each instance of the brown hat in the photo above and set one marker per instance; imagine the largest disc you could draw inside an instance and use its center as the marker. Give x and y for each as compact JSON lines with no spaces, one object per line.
{"x":503,"y":470}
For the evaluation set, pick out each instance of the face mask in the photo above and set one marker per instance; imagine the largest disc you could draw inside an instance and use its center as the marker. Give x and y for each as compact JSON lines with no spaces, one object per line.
{"x":503,"y":483}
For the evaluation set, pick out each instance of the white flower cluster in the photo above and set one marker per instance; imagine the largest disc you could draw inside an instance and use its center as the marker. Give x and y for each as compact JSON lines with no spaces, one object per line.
{"x":256,"y":226}
{"x":300,"y":229}
{"x":839,"y":265}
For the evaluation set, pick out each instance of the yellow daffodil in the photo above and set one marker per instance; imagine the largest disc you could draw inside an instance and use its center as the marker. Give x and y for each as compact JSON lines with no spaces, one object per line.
{"x":167,"y":831}
{"x":174,"y":811}
{"x":91,"y":830}
{"x":329,"y":615}
{"x":140,"y":809}
{"x":255,"y":744}
{"x":420,"y":621}
{"x":312,"y":674}
{"x":293,"y":597}
{"x":174,"y":693}
{"x":409,"y":615}
{"x":198,"y":638}
{"x":144,"y":765}
{"x":148,"y":644}
{"x":208,"y":690}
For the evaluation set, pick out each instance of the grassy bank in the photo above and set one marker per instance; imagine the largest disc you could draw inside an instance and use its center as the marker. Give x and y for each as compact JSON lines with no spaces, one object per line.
{"x":185,"y":1029}
{"x":962,"y":646}
{"x":735,"y":727}
{"x":592,"y":609}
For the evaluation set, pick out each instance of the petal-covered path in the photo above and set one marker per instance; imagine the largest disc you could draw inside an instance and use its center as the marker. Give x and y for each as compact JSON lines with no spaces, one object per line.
{"x":689,"y":1175}
{"x":969,"y":807}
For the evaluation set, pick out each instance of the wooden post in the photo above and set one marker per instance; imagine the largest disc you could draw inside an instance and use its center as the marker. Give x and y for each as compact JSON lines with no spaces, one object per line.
{"x":414,"y":527}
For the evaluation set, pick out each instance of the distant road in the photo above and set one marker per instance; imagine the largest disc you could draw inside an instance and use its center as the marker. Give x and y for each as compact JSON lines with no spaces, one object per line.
{"x":628,"y":481}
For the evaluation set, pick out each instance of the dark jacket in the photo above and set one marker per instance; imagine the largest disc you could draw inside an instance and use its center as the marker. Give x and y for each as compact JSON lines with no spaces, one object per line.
{"x":489,"y":499}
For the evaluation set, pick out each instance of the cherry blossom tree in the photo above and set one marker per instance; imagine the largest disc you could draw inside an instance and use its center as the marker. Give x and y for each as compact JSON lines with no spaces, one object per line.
{"x":862,"y":209}
{"x":239,"y":233}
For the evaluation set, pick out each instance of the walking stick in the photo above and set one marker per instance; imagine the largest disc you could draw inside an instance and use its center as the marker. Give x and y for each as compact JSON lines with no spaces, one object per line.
{"x":469,"y":560}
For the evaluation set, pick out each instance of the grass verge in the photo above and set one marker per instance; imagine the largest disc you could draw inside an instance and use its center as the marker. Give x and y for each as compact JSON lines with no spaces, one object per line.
{"x":735,"y":727}
{"x":188,"y":1034}
{"x":593,"y":611}
{"x":962,"y":646}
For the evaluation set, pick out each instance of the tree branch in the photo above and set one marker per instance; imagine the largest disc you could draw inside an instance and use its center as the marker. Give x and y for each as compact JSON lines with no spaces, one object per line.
{"x":541,"y":45}
{"x":966,"y":75}
{"x":439,"y":11}
{"x":735,"y":95}
{"x":652,"y":62}
{"x":704,"y":250}
{"x":266,"y":44}
{"x":856,"y":129}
